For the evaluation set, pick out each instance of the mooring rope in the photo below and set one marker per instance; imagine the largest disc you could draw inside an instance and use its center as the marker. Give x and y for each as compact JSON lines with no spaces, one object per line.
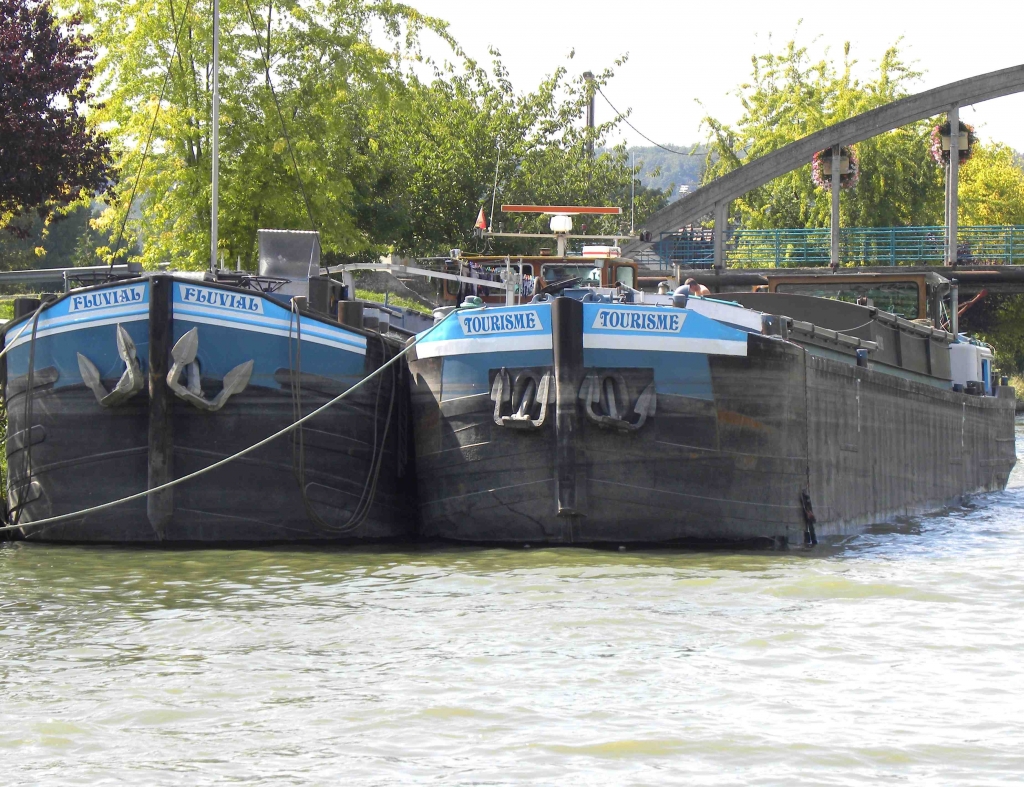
{"x":369,"y":491}
{"x":25,"y":484}
{"x":9,"y":343}
{"x":245,"y":451}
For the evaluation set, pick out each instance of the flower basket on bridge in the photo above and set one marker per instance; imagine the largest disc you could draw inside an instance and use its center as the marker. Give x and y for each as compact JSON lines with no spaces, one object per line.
{"x":849,"y":168}
{"x":941,"y":142}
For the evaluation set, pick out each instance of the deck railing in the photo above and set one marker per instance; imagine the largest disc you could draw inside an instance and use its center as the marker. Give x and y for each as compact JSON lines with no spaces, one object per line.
{"x":805,"y":248}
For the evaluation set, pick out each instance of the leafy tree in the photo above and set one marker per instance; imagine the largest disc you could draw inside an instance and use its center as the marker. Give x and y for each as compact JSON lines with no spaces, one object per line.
{"x":70,"y":241}
{"x":992,"y":186}
{"x":535,"y":143}
{"x":24,"y":249}
{"x":790,"y":96}
{"x":49,"y":155}
{"x":390,"y":151}
{"x":325,"y":77}
{"x":557,"y":167}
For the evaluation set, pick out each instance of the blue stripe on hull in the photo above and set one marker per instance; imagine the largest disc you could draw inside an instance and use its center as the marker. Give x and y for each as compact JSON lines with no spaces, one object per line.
{"x":220,"y":350}
{"x":484,"y":331}
{"x":98,"y":343}
{"x":468,"y":375}
{"x":234,"y":327}
{"x":223,"y":348}
{"x":606,"y":326}
{"x":682,"y":374}
{"x":123,"y":303}
{"x":233,"y":309}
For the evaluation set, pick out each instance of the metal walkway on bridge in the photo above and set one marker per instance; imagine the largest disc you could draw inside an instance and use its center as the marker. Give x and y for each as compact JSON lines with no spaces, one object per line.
{"x":872,"y":246}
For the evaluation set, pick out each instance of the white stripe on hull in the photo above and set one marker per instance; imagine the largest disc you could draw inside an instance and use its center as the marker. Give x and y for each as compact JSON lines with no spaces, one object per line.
{"x":248,"y":327}
{"x":476,"y":346}
{"x":679,"y":344}
{"x":79,"y":325}
{"x":269,"y":322}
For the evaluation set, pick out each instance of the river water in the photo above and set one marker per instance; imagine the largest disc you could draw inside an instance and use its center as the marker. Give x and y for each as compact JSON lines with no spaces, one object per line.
{"x":890,"y":657}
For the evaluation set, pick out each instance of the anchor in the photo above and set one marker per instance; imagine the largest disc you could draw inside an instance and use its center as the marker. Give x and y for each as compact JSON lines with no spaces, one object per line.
{"x":609,"y":392}
{"x":526,"y":392}
{"x":131,"y":382}
{"x":184,"y":356}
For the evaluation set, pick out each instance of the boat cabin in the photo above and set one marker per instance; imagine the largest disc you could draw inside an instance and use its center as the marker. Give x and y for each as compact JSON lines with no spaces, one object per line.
{"x":531,"y":274}
{"x":912,"y":296}
{"x":910,"y":320}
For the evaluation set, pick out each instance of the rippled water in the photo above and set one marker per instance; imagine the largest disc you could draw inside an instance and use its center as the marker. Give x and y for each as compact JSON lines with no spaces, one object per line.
{"x":895,"y":656}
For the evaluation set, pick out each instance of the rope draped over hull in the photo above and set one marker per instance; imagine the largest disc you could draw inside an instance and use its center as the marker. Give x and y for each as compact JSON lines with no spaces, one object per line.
{"x":356,"y":513}
{"x":369,"y":488}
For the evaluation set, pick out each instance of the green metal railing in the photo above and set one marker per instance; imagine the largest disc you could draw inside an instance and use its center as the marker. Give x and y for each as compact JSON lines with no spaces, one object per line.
{"x":804,"y":248}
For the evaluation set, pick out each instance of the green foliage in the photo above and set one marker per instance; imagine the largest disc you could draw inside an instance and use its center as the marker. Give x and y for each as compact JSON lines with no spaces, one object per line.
{"x":63,"y":239}
{"x":790,"y":96}
{"x":992,"y":186}
{"x":468,"y":136}
{"x":51,"y":157}
{"x":393,"y":300}
{"x":546,"y":159}
{"x":394,"y":152}
{"x":25,"y":252}
{"x":999,"y":320}
{"x":328,"y":77}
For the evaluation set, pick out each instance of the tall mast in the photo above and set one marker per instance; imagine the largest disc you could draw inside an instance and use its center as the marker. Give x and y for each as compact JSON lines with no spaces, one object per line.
{"x":587,"y":75}
{"x":216,"y":135}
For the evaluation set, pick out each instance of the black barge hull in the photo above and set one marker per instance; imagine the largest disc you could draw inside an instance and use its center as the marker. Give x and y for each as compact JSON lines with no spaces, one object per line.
{"x":788,"y":447}
{"x":343,"y":478}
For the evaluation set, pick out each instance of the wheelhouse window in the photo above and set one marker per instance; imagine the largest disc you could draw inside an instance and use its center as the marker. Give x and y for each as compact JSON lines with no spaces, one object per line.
{"x":561,"y":272}
{"x":624,"y":275}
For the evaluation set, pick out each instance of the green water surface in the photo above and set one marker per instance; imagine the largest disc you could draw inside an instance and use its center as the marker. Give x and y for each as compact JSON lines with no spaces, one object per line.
{"x":896,"y":657}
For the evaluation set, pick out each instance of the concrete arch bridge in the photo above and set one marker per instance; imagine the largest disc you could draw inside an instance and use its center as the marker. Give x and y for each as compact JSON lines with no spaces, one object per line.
{"x":714,"y":197}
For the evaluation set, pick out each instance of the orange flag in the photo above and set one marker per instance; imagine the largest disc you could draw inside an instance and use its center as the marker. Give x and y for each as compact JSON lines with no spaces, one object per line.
{"x":481,"y":221}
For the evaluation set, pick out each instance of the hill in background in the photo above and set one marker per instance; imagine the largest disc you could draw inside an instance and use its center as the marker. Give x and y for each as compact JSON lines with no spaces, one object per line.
{"x":676,"y":169}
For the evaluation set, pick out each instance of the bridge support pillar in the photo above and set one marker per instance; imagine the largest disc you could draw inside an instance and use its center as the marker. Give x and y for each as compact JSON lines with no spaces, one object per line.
{"x":953,"y":185}
{"x":721,"y":227}
{"x":836,"y":175}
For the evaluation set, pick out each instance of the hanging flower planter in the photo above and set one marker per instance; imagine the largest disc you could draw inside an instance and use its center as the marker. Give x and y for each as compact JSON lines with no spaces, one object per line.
{"x":941,"y":142}
{"x":849,"y":168}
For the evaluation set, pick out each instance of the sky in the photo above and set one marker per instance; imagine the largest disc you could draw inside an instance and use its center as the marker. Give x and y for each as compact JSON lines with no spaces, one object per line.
{"x":680,"y":52}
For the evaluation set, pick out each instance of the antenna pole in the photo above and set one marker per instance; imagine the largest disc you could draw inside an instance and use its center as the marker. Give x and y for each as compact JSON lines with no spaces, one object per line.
{"x":632,"y":188}
{"x":589,"y":76}
{"x":216,"y":135}
{"x":494,"y":193}
{"x":953,"y":179}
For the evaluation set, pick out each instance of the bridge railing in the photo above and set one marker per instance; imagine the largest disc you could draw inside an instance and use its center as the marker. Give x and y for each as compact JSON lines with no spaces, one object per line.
{"x":805,"y":248}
